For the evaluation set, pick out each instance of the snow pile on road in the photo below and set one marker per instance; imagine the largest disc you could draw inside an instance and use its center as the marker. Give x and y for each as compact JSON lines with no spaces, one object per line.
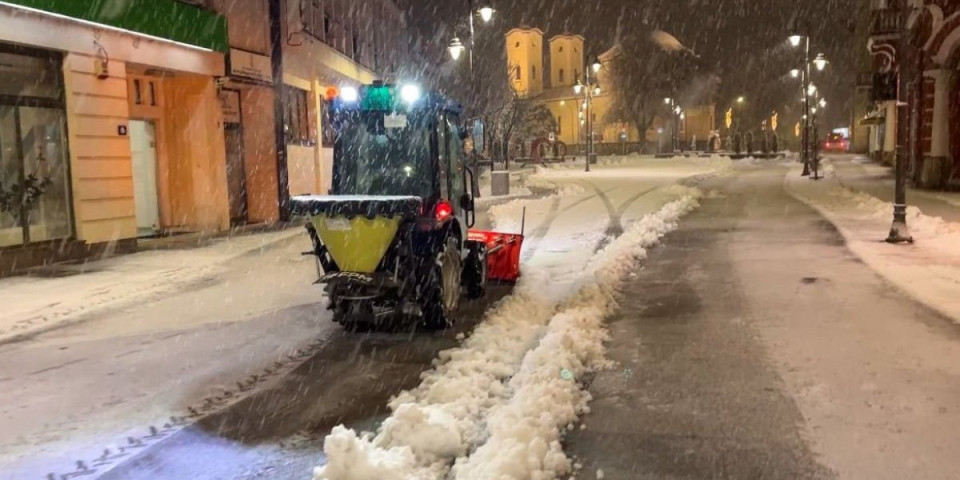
{"x":439,"y":420}
{"x":547,"y":396}
{"x":511,"y":389}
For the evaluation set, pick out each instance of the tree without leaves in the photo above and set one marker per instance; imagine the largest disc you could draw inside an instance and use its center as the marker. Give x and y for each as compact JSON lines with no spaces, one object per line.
{"x":643,"y":73}
{"x":511,"y":116}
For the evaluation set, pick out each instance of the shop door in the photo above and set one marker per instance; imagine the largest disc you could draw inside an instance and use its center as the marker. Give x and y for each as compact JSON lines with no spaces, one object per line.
{"x":143,"y":141}
{"x":236,"y":175}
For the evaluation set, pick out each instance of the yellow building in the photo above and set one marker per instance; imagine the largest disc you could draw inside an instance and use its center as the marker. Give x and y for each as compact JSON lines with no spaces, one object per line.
{"x":567,"y":64}
{"x":525,"y":60}
{"x":126,"y":126}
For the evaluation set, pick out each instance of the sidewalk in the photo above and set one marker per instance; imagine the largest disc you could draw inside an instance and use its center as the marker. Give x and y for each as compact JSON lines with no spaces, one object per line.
{"x":50,"y":296}
{"x":867,"y":176}
{"x":928,"y":269}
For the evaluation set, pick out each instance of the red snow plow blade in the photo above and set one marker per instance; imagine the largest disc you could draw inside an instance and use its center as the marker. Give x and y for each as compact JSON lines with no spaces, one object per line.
{"x":503,"y":253}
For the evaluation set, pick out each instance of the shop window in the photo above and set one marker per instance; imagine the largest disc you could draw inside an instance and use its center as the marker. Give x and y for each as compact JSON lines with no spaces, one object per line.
{"x":296,"y":120}
{"x":33,"y":146}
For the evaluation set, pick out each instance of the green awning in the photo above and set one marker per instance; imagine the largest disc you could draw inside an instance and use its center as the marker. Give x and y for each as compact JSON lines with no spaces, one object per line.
{"x":165,"y":19}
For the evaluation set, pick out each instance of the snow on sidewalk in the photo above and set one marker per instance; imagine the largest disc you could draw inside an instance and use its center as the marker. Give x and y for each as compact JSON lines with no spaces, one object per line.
{"x":31,"y":304}
{"x":497,"y":405}
{"x":928,"y":270}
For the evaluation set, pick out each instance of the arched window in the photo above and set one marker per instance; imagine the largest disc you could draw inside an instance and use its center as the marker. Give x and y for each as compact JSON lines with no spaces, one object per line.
{"x":518,"y":73}
{"x":562,"y":76}
{"x":533,"y":72}
{"x":559,"y":125}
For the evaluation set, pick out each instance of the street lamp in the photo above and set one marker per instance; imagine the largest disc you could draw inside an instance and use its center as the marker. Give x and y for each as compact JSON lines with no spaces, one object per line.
{"x":456,"y":48}
{"x":668,"y":100}
{"x":820,"y":62}
{"x":589,"y":89}
{"x":486,"y":12}
{"x":795,"y":41}
{"x":795,"y":73}
{"x":740,"y":99}
{"x":811,"y":90}
{"x":823,"y":103}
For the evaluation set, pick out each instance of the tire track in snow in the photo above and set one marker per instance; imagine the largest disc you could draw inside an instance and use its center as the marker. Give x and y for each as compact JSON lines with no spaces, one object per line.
{"x":615,"y":226}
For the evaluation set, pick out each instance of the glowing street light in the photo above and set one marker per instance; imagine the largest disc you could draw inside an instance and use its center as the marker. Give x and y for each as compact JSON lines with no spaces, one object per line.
{"x":596,"y":90}
{"x":577,"y":87}
{"x":667,"y":100}
{"x":795,"y":40}
{"x":795,"y":72}
{"x":811,"y":90}
{"x":456,"y":48}
{"x":596,"y":65}
{"x":823,"y":103}
{"x":820,"y":62}
{"x":741,"y":99}
{"x":486,"y":12}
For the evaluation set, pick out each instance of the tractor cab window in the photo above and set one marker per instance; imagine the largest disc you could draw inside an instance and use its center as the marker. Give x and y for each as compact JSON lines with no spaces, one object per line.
{"x":383,"y":154}
{"x":455,"y":159}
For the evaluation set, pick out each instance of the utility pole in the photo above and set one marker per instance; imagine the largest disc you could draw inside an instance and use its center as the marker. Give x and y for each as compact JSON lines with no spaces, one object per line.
{"x":899,"y":233}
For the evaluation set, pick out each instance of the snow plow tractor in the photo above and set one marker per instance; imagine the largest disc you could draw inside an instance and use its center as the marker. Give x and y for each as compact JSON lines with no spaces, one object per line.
{"x":392,"y":239}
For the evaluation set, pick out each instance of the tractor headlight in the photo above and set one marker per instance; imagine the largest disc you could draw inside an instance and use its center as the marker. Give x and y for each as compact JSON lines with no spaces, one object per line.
{"x":349,"y":94}
{"x":409,"y":93}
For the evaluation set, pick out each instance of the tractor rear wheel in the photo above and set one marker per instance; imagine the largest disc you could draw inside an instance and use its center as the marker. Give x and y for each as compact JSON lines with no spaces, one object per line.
{"x":442,"y":287}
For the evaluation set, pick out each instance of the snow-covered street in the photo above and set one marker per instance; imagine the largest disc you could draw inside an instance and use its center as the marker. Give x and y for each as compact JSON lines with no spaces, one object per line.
{"x":756,"y":341}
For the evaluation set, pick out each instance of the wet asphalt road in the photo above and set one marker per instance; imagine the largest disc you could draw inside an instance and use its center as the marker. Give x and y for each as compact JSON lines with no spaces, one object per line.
{"x":259,"y":332}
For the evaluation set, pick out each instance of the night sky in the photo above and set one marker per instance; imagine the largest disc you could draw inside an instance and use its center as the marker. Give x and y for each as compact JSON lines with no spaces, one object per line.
{"x":741,"y":41}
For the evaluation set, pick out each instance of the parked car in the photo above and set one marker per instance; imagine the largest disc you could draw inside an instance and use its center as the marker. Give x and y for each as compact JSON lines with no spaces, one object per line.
{"x":836,"y":142}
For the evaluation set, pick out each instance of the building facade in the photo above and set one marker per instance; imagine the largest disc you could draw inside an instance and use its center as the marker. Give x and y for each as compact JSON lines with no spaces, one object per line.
{"x":150,"y":117}
{"x":929,"y":99}
{"x":567,"y":63}
{"x":329,"y":44}
{"x":115,"y":108}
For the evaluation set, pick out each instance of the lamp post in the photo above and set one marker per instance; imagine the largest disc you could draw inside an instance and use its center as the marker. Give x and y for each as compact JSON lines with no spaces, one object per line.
{"x":589,"y":88}
{"x":796,"y":40}
{"x":456,"y":47}
{"x":676,"y":112}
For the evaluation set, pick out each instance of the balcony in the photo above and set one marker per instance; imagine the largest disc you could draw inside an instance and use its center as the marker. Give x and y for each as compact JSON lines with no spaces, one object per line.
{"x":885,"y":22}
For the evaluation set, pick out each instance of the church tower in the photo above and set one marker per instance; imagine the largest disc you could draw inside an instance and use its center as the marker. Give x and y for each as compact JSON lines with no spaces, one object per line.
{"x":525,"y":60}
{"x":566,"y":60}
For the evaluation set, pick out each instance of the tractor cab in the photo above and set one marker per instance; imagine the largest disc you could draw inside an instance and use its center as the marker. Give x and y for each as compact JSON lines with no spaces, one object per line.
{"x":399,"y":141}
